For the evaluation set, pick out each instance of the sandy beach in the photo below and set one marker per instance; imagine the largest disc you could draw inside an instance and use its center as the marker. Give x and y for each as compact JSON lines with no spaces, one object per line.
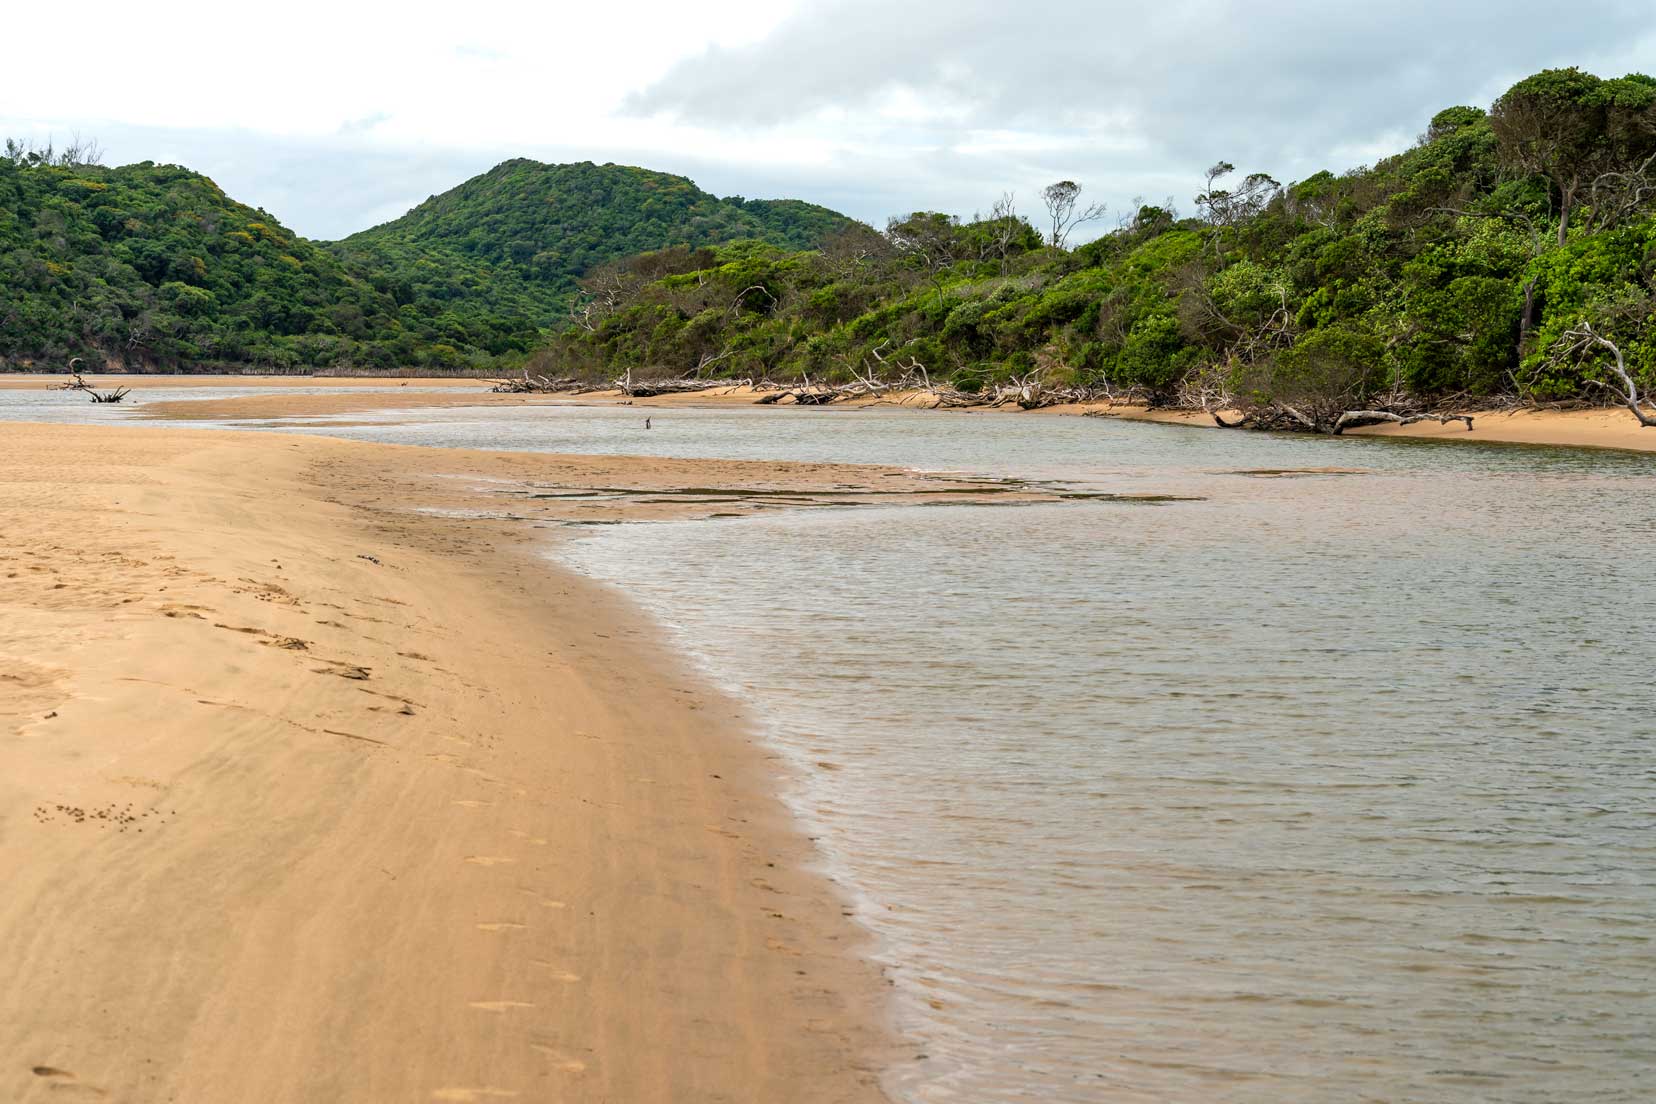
{"x":312,"y":789}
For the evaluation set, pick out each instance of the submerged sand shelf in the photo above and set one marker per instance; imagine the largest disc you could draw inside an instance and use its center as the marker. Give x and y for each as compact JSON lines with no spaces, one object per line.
{"x":309,"y":792}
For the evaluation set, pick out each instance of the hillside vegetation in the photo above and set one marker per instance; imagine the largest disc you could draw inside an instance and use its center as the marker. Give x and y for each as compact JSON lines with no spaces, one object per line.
{"x":1462,"y":267}
{"x":514,"y":241}
{"x":153,"y":268}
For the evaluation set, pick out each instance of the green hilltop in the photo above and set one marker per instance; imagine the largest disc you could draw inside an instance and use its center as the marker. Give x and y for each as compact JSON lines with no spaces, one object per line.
{"x":519,"y":236}
{"x":153,"y":267}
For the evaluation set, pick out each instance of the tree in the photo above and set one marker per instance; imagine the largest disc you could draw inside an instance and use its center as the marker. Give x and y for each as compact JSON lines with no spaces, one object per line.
{"x":1581,"y":343}
{"x":1452,"y":119}
{"x":1576,"y":131}
{"x":846,"y":252}
{"x":931,"y":240}
{"x":1062,"y":201}
{"x":1224,"y":208}
{"x":79,"y":152}
{"x":1003,"y":233}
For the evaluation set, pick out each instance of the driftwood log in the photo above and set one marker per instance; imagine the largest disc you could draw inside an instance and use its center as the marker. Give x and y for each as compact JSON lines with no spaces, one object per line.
{"x":1353,"y":419}
{"x":75,"y":382}
{"x":1280,"y":416}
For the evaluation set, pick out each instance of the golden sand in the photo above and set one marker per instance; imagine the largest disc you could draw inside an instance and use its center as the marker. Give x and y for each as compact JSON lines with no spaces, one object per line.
{"x":306,"y":795}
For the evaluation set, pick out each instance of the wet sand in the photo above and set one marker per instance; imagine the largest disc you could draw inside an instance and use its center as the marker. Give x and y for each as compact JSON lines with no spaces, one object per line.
{"x":313,"y":788}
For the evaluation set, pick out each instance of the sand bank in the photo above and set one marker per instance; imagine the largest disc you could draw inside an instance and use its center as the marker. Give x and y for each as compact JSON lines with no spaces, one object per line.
{"x":306,"y":795}
{"x":36,"y":381}
{"x":1601,"y":428}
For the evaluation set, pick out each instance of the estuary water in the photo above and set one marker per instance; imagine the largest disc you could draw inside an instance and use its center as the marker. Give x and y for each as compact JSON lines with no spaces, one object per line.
{"x":1315,"y":786}
{"x":1321,"y":788}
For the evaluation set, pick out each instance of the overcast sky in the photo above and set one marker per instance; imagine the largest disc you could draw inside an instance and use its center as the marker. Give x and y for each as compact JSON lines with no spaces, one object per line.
{"x":335,"y":116}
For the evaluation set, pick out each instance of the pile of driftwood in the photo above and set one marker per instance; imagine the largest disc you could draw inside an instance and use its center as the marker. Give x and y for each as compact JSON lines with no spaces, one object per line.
{"x":895,"y":377}
{"x":536,"y":385}
{"x":1027,"y":392}
{"x":645,"y":389}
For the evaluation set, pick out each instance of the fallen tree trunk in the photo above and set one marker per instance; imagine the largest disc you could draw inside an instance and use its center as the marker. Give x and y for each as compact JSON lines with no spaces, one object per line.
{"x":1284,"y":418}
{"x":1354,"y":419}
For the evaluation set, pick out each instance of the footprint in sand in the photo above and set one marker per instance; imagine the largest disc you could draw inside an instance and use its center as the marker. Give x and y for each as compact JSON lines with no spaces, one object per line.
{"x":464,"y":1096}
{"x":558,"y":973}
{"x":560,"y":1060}
{"x":344,"y":670}
{"x":62,"y":1081}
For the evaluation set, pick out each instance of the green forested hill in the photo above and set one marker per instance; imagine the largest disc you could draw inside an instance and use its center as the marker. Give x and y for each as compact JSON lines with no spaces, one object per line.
{"x":153,"y":267}
{"x":519,"y":236}
{"x":1454,"y":268}
{"x":1461,"y":266}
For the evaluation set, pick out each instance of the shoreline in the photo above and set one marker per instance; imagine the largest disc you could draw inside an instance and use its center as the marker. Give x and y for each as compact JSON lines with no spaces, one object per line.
{"x":1597,"y":428}
{"x":311,"y":793}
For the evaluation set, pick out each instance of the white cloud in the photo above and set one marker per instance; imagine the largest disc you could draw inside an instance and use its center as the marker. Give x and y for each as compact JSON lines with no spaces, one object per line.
{"x":334,"y":115}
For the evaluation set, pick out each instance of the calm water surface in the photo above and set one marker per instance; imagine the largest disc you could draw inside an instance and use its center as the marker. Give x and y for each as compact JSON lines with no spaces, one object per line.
{"x":1329,"y":788}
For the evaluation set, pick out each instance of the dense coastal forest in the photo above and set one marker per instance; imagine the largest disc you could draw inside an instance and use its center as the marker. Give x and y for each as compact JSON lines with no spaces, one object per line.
{"x":153,"y":268}
{"x":1509,"y":252}
{"x":1466,"y":267}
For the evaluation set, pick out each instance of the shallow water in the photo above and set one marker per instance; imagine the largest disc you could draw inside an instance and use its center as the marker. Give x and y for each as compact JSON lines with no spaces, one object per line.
{"x":1324,"y":788}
